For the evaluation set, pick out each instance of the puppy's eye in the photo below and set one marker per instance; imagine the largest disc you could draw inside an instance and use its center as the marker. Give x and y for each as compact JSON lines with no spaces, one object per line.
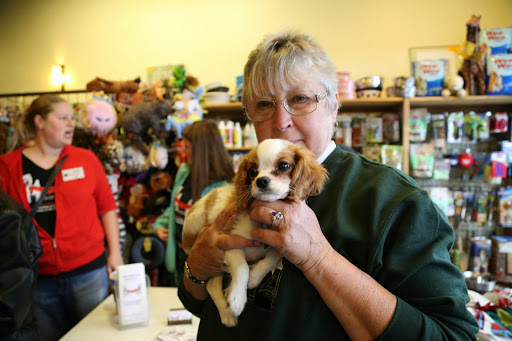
{"x":283,"y":166}
{"x":252,"y":172}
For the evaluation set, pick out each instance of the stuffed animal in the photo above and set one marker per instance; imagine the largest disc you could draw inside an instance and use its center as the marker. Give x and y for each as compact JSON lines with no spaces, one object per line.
{"x":473,"y":67}
{"x":99,"y":116}
{"x":113,"y":87}
{"x":142,"y":121}
{"x":454,"y":86}
{"x":135,"y":160}
{"x":111,"y":155}
{"x":158,"y":155}
{"x":186,"y":111}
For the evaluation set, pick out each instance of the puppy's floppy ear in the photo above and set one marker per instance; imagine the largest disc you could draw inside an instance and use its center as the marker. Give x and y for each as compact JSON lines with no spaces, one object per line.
{"x":308,"y":177}
{"x":243,"y":185}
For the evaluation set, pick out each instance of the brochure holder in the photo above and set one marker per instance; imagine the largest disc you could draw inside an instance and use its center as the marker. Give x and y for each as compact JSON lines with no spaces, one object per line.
{"x":131,"y":295}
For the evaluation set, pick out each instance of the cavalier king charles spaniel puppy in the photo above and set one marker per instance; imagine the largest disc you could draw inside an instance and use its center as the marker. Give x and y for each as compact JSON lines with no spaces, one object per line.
{"x":274,"y":170}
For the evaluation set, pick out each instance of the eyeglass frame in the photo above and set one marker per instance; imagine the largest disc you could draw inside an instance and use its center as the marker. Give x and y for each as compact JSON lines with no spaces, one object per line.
{"x":318,"y":99}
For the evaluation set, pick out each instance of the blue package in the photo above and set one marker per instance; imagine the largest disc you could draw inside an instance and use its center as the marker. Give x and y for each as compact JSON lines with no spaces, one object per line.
{"x":429,"y":76}
{"x":496,"y":40}
{"x":499,"y":74}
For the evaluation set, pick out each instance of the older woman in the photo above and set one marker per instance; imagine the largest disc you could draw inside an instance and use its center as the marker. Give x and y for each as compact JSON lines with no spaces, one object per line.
{"x":367,"y":258}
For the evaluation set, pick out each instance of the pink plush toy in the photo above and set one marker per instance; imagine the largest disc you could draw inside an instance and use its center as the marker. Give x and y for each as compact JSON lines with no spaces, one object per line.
{"x":99,"y":117}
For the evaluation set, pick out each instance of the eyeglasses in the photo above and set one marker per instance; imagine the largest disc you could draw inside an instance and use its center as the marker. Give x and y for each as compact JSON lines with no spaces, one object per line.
{"x":296,"y":103}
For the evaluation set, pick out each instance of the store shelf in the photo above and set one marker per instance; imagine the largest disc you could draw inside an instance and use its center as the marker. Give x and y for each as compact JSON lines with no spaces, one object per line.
{"x":238,"y":149}
{"x":399,"y":105}
{"x":476,"y":103}
{"x":372,"y":104}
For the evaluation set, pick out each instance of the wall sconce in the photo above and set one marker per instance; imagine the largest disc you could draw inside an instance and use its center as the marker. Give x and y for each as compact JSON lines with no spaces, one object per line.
{"x":58,"y":76}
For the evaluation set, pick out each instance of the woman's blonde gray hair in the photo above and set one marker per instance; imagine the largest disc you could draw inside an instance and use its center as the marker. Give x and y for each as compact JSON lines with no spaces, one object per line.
{"x":284,"y":58}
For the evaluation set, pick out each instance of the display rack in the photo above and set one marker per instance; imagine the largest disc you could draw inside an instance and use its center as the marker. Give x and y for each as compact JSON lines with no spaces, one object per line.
{"x":398,"y":105}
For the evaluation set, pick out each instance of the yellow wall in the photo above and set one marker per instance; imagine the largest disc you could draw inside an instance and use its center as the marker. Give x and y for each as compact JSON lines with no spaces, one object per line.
{"x":119,"y":39}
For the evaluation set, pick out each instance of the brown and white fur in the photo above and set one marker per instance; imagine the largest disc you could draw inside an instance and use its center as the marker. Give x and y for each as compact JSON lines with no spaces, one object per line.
{"x":274,"y":170}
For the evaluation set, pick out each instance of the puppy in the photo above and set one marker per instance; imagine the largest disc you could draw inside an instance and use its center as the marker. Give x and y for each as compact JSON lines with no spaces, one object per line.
{"x":274,"y":170}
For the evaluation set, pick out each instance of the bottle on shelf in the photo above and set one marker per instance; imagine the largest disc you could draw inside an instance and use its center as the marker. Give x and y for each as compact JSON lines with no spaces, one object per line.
{"x":229,"y":134}
{"x":222,"y":131}
{"x":237,"y":135}
{"x":247,"y":135}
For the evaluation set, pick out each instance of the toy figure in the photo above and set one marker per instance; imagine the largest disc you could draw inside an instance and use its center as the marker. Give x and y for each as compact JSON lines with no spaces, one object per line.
{"x":114,"y":87}
{"x":454,"y":86}
{"x":158,"y":155}
{"x":473,"y":67}
{"x":99,"y":116}
{"x":186,"y":111}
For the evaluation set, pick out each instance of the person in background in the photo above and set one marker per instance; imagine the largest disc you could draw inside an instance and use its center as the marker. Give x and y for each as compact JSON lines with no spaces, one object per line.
{"x":207,"y":166}
{"x":20,"y":250}
{"x":368,"y":258}
{"x":76,"y":216}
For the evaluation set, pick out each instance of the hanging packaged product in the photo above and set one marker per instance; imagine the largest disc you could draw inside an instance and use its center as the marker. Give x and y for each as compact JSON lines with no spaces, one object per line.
{"x":496,"y":40}
{"x":454,"y":126}
{"x":483,"y":126}
{"x":470,"y":127}
{"x":443,"y":198}
{"x":418,"y":124}
{"x":498,"y":123}
{"x":506,"y":147}
{"x":442,"y":169}
{"x":422,"y":160}
{"x":372,"y":152}
{"x":358,"y":130}
{"x":391,"y":155}
{"x":505,"y":207}
{"x":439,"y":132}
{"x":499,"y":74}
{"x":374,"y":129}
{"x":391,"y":128}
{"x":429,"y":76}
{"x":344,"y":130}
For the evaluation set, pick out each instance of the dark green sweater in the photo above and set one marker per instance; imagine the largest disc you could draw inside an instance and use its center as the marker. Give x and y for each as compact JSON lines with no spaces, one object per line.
{"x":382,"y":222}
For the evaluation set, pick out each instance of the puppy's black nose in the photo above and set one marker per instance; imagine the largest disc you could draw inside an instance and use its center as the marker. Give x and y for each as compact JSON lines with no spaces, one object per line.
{"x":262,"y":182}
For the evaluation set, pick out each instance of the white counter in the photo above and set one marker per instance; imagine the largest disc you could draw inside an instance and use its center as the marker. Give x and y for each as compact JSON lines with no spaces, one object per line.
{"x":101,"y":323}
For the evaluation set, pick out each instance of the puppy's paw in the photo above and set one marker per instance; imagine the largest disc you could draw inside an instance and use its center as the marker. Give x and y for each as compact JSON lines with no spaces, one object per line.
{"x":255,"y":279}
{"x":228,"y":319}
{"x":236,"y":303}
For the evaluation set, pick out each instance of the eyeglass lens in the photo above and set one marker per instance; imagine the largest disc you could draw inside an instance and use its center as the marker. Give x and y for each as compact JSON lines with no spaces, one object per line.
{"x":296,"y":103}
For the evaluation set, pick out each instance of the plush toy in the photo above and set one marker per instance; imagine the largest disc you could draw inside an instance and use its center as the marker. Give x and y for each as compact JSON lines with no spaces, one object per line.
{"x":186,"y":111}
{"x":99,"y":116}
{"x":158,"y":155}
{"x":454,"y":86}
{"x":111,"y":155}
{"x":142,"y":121}
{"x":114,"y":87}
{"x":135,"y":160}
{"x":473,"y":67}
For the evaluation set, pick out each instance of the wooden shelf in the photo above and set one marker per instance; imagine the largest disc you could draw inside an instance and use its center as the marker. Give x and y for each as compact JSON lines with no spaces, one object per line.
{"x":476,"y":103}
{"x":371,"y":104}
{"x":399,"y":105}
{"x":239,"y":149}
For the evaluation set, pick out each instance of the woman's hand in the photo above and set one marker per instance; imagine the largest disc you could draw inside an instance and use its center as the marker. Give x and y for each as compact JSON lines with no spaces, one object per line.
{"x":114,"y":259}
{"x":162,"y":234}
{"x":297,"y":235}
{"x":206,"y":258}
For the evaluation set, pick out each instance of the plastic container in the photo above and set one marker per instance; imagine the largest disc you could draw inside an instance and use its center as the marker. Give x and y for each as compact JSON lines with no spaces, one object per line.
{"x":237,"y":135}
{"x":216,"y":97}
{"x":229,"y":134}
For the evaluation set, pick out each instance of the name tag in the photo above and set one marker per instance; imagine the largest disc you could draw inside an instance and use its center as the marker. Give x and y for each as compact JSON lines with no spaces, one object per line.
{"x":73,"y":173}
